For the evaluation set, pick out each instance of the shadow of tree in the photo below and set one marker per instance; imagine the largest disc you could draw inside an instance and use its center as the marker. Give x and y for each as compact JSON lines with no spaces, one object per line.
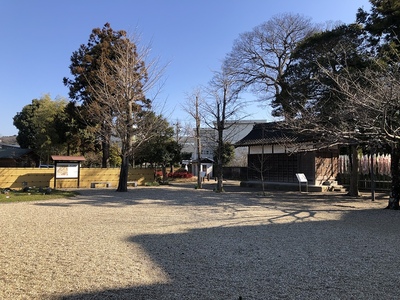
{"x":351,"y":258}
{"x":185,"y":194}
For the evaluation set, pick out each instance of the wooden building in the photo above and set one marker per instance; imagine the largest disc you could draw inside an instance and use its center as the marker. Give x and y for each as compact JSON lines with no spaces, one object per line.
{"x":278,"y":154}
{"x":17,"y":157}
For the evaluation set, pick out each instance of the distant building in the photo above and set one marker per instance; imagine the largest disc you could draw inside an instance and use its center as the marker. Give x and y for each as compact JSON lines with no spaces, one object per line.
{"x":280,"y":153}
{"x":16,"y":157}
{"x":208,"y":137}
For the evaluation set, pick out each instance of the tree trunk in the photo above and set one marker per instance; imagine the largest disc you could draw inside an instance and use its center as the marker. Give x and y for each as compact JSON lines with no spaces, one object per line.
{"x":106,"y":154}
{"x":353,"y":189}
{"x":199,"y":183}
{"x":105,"y":145}
{"x":395,"y":189}
{"x":123,"y":175}
{"x":220,"y":187}
{"x":372,"y":172}
{"x":126,"y":151}
{"x":262,"y":168}
{"x":164,"y":172}
{"x":220,"y":178}
{"x":198,"y":141}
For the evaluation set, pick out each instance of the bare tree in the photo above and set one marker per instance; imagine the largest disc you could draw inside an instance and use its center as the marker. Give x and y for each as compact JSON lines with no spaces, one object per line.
{"x":120,"y":86}
{"x":261,"y":164}
{"x":373,"y":104}
{"x":259,"y":58}
{"x":224,"y":104}
{"x":361,"y":108}
{"x":192,"y":107}
{"x":240,"y":158}
{"x":183,"y":132}
{"x":85,"y":63}
{"x":315,"y":104}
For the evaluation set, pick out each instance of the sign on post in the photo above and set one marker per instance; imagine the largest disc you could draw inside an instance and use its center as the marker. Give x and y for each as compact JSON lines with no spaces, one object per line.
{"x":302,"y":179}
{"x":66,"y":167}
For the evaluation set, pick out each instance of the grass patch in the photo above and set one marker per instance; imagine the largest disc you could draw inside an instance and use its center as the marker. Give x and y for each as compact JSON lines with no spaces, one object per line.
{"x":152,"y":183}
{"x":33,"y":194}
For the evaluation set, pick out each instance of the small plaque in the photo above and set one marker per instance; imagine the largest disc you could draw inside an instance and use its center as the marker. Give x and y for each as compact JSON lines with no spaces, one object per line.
{"x":301,"y":177}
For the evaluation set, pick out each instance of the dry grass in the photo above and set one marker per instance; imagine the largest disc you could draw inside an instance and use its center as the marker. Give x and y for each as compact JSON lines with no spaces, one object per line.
{"x":33,"y":194}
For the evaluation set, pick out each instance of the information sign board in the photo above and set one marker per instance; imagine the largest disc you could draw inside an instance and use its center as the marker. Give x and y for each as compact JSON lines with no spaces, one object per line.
{"x":67,"y":170}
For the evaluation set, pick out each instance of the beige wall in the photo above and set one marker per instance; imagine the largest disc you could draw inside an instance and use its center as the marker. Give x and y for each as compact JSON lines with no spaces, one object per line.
{"x":326,"y":167}
{"x":280,"y":148}
{"x":15,"y":177}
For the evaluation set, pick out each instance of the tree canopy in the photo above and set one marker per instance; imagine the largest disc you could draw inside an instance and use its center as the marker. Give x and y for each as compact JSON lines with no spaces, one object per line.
{"x":86,"y":63}
{"x":382,"y":25}
{"x":343,"y":84}
{"x":111,"y":79}
{"x":162,"y":148}
{"x":36,"y":126}
{"x":259,"y":58}
{"x":310,"y":93}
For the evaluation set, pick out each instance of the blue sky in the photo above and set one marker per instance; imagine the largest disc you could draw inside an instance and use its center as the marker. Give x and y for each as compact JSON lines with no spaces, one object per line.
{"x":39,"y":36}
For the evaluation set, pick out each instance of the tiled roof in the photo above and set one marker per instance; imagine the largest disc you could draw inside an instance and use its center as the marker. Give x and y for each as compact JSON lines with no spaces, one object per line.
{"x":3,"y":146}
{"x":67,"y":158}
{"x":271,"y":133}
{"x":13,"y":153}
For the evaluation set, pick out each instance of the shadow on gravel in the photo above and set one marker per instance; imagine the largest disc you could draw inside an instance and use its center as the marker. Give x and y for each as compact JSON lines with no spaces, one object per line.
{"x":185,"y":194}
{"x":352,"y":258}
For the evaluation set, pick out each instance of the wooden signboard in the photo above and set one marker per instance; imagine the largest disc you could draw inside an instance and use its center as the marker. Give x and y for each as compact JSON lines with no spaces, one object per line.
{"x":66,"y":167}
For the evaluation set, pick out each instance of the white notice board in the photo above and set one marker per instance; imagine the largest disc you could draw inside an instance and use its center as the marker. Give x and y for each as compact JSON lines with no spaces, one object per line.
{"x":301,"y":177}
{"x":67,"y":170}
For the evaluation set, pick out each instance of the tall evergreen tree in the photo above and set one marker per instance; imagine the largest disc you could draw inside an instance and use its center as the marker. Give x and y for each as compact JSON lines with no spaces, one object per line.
{"x":382,"y":27}
{"x":85,"y":64}
{"x":119,"y":87}
{"x":311,"y":98}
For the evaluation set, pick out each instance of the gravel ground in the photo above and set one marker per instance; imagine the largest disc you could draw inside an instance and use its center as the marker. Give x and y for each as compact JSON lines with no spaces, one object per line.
{"x":175,"y":242}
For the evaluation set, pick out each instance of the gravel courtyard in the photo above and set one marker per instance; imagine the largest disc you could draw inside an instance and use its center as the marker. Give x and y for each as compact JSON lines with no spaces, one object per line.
{"x":175,"y":242}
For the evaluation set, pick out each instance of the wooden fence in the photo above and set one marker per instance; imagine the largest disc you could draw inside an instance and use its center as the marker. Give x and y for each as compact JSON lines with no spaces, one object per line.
{"x":17,"y":178}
